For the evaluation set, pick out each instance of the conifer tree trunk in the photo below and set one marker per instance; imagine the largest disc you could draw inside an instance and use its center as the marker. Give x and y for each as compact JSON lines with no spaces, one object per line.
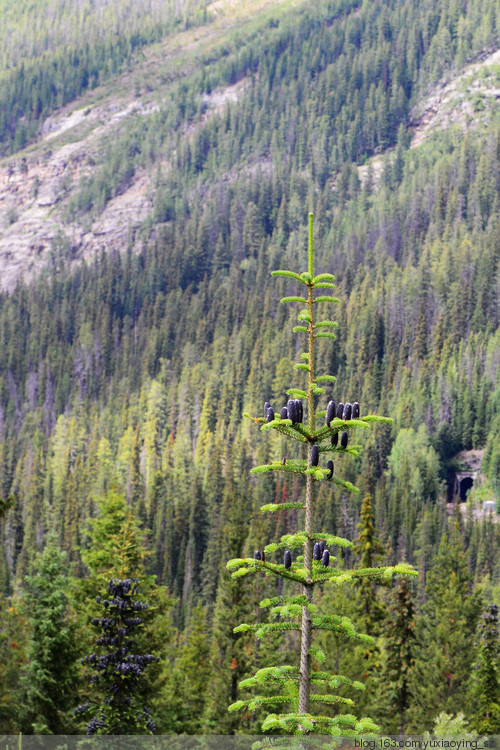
{"x":306,"y":625}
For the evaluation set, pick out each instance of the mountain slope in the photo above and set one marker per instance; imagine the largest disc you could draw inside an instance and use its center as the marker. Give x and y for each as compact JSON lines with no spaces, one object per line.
{"x":37,"y":184}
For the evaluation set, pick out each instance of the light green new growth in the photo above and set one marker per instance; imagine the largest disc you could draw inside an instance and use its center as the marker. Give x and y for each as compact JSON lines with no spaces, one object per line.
{"x":296,"y":683}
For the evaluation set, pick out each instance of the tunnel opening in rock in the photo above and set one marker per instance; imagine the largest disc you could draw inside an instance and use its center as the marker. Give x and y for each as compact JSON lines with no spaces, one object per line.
{"x":465,"y":485}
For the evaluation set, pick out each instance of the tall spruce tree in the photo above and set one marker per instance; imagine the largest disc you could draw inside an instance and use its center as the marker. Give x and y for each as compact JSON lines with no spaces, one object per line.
{"x":298,"y":612}
{"x":400,"y":649}
{"x":119,"y":664}
{"x":445,"y":631}
{"x":116,"y":543}
{"x":13,"y":642}
{"x":229,"y":656}
{"x":484,"y":692}
{"x":369,"y":550}
{"x":190,"y":676}
{"x":368,"y":610}
{"x":50,"y":679}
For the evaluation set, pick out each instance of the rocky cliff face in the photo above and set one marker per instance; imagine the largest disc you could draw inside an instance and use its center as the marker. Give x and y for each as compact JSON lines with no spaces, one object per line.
{"x":37,"y":185}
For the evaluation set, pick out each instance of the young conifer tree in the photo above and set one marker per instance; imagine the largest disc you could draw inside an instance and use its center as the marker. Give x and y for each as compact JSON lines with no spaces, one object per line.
{"x":298,"y":684}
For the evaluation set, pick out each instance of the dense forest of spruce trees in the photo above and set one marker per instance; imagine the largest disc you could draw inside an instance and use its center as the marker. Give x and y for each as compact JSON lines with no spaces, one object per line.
{"x":123,"y":453}
{"x":54,"y":51}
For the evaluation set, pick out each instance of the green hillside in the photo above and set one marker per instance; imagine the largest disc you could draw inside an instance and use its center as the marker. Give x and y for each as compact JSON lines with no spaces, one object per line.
{"x":53,"y":51}
{"x":129,"y":373}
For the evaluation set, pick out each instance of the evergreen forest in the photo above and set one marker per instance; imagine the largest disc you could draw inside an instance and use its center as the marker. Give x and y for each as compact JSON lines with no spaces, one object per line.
{"x":126,"y":480}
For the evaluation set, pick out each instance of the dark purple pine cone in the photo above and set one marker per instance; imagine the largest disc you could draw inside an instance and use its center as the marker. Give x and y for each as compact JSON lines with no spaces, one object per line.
{"x":329,"y":466}
{"x":317,"y":551}
{"x":344,"y":439}
{"x":284,"y":413}
{"x":314,"y":455}
{"x":300,"y":410}
{"x":287,"y":559}
{"x":340,"y":410}
{"x":334,"y":438}
{"x":257,"y":555}
{"x":270,"y":414}
{"x":267,"y":406}
{"x":347,"y":411}
{"x":322,"y":546}
{"x":325,"y":559}
{"x":263,"y":556}
{"x":330,"y":412}
{"x":292,"y":411}
{"x":355,"y":410}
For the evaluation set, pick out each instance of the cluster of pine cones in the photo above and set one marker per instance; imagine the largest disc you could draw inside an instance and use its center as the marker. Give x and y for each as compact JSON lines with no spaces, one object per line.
{"x":294,"y":410}
{"x":320,"y":553}
{"x":341,"y":411}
